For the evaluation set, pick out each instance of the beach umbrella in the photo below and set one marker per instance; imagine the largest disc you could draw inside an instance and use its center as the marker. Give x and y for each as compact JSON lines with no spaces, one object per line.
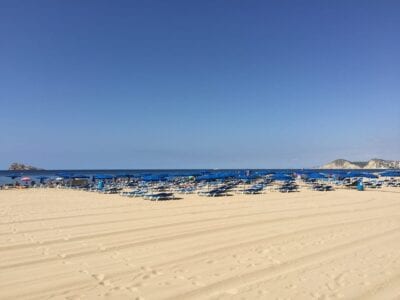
{"x":215,"y":176}
{"x":153,"y":178}
{"x":369,"y":175}
{"x":247,"y":176}
{"x":103,"y":176}
{"x":264,"y":172}
{"x":25,"y":179}
{"x":13,"y":176}
{"x":65,"y":175}
{"x":80,"y":176}
{"x":281,"y":177}
{"x":316,"y":176}
{"x":193,"y":174}
{"x":302,"y":172}
{"x":124,"y":176}
{"x":390,"y":174}
{"x":360,"y":175}
{"x":204,"y":177}
{"x":42,"y":178}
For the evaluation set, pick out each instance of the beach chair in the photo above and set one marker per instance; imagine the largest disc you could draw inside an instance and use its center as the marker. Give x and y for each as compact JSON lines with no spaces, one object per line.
{"x":112,"y":190}
{"x":159,"y":196}
{"x":256,"y":189}
{"x":213,"y":193}
{"x":136,"y":193}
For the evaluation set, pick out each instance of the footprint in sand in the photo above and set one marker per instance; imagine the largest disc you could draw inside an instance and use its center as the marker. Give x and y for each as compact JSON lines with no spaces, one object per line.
{"x":232,"y":291}
{"x":99,"y":277}
{"x":197,"y":283}
{"x":262,"y":292}
{"x":339,"y":280}
{"x":145,"y":277}
{"x":74,"y":297}
{"x":338,"y":295}
{"x":101,"y":248}
{"x":210,"y":262}
{"x":105,"y":283}
{"x":157,"y":273}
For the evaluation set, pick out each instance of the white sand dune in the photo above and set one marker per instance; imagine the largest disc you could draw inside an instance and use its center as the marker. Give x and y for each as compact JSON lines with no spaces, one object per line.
{"x":61,"y":244}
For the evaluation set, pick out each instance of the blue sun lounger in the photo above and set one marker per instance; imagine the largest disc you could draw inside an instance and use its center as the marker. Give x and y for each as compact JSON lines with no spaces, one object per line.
{"x":159,"y":196}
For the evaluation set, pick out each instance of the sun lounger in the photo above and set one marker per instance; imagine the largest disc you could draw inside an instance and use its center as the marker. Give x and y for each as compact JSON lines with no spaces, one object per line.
{"x":288,"y":187}
{"x":112,"y":190}
{"x":213,"y":193}
{"x":322,"y":187}
{"x":255,"y":189}
{"x":189,"y":190}
{"x":136,"y":193}
{"x":159,"y":196}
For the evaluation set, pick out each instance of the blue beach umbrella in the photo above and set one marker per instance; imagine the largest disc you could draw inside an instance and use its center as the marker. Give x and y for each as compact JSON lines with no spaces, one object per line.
{"x":80,"y":176}
{"x":65,"y":175}
{"x":316,"y":176}
{"x":153,"y":178}
{"x":360,"y":175}
{"x":247,"y":177}
{"x":264,"y":172}
{"x":390,"y":174}
{"x":281,"y":177}
{"x":42,"y":178}
{"x":124,"y":176}
{"x":103,"y":176}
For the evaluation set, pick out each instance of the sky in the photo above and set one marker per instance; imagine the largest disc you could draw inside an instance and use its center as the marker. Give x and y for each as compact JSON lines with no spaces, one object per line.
{"x":198,"y":84}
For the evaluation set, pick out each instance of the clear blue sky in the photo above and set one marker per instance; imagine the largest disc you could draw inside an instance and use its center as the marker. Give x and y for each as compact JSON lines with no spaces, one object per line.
{"x":198,"y":84}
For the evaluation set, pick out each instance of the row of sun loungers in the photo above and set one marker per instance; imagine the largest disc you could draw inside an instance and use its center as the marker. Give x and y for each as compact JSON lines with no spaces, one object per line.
{"x":164,"y":190}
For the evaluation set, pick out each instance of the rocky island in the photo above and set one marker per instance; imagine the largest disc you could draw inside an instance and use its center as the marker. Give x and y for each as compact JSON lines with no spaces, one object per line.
{"x":22,"y":167}
{"x":374,"y":163}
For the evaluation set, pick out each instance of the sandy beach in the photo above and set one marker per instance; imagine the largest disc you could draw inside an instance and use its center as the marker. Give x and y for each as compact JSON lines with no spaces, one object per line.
{"x":65,"y":244}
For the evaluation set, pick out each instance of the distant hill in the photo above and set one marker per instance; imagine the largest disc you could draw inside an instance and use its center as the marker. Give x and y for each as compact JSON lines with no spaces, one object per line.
{"x":21,"y":167}
{"x":374,"y":163}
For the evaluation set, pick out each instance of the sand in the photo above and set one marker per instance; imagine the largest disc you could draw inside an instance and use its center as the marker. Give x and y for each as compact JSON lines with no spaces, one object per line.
{"x":64,"y":244}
